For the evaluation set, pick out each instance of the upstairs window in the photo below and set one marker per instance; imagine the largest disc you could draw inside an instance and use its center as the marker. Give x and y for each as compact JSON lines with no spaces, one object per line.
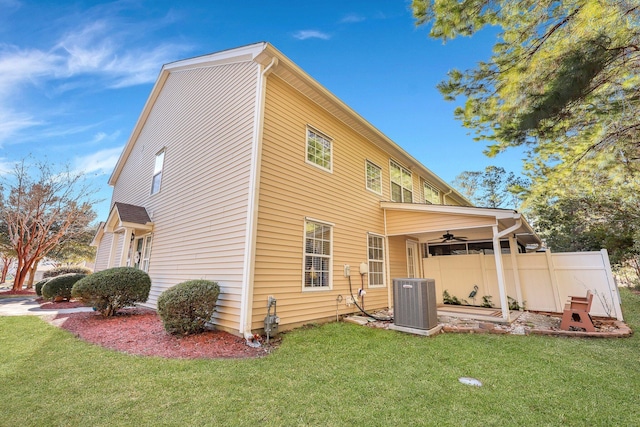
{"x":317,"y":255}
{"x":431,"y":194}
{"x":401,"y":183}
{"x":319,"y":150}
{"x":374,"y":177}
{"x":157,"y":173}
{"x":375,"y":247}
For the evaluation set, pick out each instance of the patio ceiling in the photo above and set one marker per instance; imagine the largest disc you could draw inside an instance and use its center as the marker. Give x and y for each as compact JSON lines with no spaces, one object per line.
{"x":429,"y":222}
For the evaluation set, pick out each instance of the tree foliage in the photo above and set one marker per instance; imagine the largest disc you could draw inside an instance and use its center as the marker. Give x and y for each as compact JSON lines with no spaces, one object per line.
{"x":563,"y":80}
{"x":492,"y":188}
{"x":587,"y":223}
{"x":41,"y":208}
{"x":564,"y":83}
{"x":7,"y":254}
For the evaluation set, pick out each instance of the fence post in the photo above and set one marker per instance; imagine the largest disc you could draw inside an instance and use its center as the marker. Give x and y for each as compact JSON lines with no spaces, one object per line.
{"x":554,"y":281}
{"x":515,"y":268}
{"x":613,"y":288}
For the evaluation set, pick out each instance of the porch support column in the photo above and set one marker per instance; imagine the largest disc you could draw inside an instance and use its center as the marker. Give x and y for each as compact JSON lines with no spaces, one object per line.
{"x":126,"y":242}
{"x":513,"y":248}
{"x":497,"y":253}
{"x":387,"y":263}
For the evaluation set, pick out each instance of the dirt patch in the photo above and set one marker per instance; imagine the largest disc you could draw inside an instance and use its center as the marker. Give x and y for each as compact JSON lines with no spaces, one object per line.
{"x":139,"y":331}
{"x":536,"y":323}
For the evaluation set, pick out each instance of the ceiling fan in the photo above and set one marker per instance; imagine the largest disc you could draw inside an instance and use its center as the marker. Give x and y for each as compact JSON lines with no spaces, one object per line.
{"x":448,"y":237}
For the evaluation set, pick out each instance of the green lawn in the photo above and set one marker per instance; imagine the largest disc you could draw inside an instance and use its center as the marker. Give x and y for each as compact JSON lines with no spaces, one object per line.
{"x":334,"y":375}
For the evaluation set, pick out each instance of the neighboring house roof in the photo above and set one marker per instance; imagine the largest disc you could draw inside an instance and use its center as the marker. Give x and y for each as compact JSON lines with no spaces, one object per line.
{"x":269,"y":57}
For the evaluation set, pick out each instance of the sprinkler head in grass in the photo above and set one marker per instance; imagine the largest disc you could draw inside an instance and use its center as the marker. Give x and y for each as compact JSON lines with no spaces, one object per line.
{"x":470,"y":381}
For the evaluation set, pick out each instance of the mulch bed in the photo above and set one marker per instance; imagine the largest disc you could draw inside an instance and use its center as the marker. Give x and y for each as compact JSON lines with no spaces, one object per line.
{"x":22,"y":292}
{"x":139,"y":331}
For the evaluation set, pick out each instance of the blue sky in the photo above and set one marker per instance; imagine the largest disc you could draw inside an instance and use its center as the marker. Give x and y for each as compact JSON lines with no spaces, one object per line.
{"x":74,"y":76}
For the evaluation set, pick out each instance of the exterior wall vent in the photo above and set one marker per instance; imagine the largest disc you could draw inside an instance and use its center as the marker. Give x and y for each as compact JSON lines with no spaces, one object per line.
{"x":414,"y":303}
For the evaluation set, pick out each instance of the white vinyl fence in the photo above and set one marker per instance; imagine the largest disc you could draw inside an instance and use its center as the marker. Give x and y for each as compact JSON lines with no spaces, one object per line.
{"x":543,"y":280}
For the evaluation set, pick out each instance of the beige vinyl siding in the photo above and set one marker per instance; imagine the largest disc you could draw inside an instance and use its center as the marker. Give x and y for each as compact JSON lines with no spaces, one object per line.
{"x":397,"y":257}
{"x":116,"y":249}
{"x":399,"y":222}
{"x":291,"y":189}
{"x":103,"y":251}
{"x":204,"y":120}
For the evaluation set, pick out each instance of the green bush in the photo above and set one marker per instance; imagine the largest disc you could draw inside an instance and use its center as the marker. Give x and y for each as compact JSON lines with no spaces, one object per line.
{"x":60,"y":286}
{"x":188,"y":306}
{"x":447,"y":298}
{"x":39,"y":286}
{"x":110,"y":290}
{"x":66,"y":269}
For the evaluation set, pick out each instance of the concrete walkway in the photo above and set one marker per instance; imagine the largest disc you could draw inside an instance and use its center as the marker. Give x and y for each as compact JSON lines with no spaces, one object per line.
{"x":24,"y":306}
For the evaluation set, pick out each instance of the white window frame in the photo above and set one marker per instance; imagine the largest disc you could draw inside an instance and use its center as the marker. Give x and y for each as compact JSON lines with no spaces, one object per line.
{"x":403,"y":170}
{"x":306,"y":254}
{"x":413,"y":262}
{"x":310,"y":130}
{"x":146,"y":253}
{"x":433,"y":189}
{"x":158,"y":169}
{"x":140,"y":259}
{"x":368,"y":163}
{"x":380,"y":261}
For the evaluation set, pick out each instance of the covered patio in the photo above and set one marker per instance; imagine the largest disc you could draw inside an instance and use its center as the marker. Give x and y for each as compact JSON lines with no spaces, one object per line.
{"x":493,"y":252}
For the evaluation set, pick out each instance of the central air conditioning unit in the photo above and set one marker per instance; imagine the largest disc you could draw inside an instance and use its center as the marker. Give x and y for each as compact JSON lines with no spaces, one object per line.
{"x":414,"y":303}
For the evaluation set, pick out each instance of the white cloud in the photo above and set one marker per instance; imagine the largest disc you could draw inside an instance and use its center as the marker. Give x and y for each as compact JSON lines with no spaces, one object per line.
{"x":99,"y":163}
{"x":5,"y":166}
{"x":311,"y":34}
{"x":19,"y":66}
{"x":11,"y":123}
{"x":98,"y":49}
{"x":112,"y":53}
{"x":352,"y":18}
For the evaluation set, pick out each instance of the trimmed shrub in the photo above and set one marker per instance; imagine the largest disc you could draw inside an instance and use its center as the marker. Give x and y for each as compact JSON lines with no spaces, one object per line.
{"x":112,"y":289}
{"x":66,"y":269}
{"x":188,"y":306}
{"x":39,"y":286}
{"x":60,"y":286}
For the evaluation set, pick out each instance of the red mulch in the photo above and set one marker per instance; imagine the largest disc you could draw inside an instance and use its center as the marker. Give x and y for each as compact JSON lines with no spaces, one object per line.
{"x":140,"y":331}
{"x":20,"y":292}
{"x":50,"y":305}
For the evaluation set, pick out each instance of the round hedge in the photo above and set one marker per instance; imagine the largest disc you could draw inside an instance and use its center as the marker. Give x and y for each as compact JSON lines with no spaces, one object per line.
{"x":66,"y":269}
{"x":60,"y":286}
{"x":188,"y":306}
{"x":39,"y":286}
{"x":112,"y":289}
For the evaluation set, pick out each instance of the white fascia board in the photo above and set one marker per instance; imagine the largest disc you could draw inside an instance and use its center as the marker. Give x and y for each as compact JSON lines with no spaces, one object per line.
{"x":240,"y":54}
{"x":95,"y":242}
{"x":456,"y":210}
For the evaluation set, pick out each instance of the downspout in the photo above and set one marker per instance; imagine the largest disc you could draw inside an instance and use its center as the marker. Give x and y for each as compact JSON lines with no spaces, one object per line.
{"x":497,"y":252}
{"x":445,"y":195}
{"x":246,"y":302}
